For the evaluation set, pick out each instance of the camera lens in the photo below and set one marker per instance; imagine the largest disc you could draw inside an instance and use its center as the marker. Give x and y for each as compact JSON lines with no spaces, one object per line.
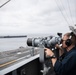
{"x":29,"y":41}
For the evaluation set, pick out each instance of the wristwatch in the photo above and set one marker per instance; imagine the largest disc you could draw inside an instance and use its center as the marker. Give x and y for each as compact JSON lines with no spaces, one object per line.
{"x":53,"y":56}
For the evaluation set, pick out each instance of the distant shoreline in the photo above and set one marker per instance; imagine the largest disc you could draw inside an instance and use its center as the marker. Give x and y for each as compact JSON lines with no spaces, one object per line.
{"x":20,"y":36}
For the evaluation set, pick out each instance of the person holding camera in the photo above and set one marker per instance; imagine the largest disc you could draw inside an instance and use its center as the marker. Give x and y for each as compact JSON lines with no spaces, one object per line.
{"x":66,"y":63}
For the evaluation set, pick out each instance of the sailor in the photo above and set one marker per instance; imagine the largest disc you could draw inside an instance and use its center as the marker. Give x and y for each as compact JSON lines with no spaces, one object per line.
{"x":66,"y":63}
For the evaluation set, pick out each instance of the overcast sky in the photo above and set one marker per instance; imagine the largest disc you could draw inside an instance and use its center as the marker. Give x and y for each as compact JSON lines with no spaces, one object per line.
{"x":36,"y":16}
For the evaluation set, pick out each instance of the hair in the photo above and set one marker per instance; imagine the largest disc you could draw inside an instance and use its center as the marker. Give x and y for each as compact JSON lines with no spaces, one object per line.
{"x":73,"y":37}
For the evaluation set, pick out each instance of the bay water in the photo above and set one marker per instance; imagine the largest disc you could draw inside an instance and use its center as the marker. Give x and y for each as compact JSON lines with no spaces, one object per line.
{"x":7,"y":44}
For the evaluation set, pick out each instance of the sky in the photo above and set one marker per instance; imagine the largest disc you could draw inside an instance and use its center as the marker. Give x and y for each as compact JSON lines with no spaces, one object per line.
{"x":36,"y":16}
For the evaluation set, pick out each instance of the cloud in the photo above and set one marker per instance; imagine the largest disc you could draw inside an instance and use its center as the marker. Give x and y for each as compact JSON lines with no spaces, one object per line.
{"x":35,"y":16}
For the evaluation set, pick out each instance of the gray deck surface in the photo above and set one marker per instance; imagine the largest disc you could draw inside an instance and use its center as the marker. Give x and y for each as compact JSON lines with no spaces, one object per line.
{"x":9,"y":57}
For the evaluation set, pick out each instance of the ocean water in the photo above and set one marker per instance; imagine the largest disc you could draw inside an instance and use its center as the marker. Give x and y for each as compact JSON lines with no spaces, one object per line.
{"x":7,"y":44}
{"x":12,"y":43}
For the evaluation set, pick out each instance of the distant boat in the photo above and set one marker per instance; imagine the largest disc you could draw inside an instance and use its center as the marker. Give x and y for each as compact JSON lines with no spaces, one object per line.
{"x":20,"y":36}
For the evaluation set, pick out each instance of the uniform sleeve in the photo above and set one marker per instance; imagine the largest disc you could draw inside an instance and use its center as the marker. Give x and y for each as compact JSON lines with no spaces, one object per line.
{"x":64,"y":66}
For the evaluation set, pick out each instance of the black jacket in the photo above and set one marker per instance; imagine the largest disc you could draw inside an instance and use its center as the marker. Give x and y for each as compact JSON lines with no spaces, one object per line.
{"x":67,"y":64}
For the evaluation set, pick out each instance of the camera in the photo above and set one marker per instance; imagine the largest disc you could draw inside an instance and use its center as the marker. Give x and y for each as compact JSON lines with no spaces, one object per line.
{"x":45,"y":42}
{"x":48,"y":42}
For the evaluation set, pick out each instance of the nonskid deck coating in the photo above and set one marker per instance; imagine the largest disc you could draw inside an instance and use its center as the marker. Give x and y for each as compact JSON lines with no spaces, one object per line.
{"x":9,"y":57}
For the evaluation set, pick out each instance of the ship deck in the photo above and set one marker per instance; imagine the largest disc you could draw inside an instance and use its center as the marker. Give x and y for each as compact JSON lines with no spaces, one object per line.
{"x":13,"y":59}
